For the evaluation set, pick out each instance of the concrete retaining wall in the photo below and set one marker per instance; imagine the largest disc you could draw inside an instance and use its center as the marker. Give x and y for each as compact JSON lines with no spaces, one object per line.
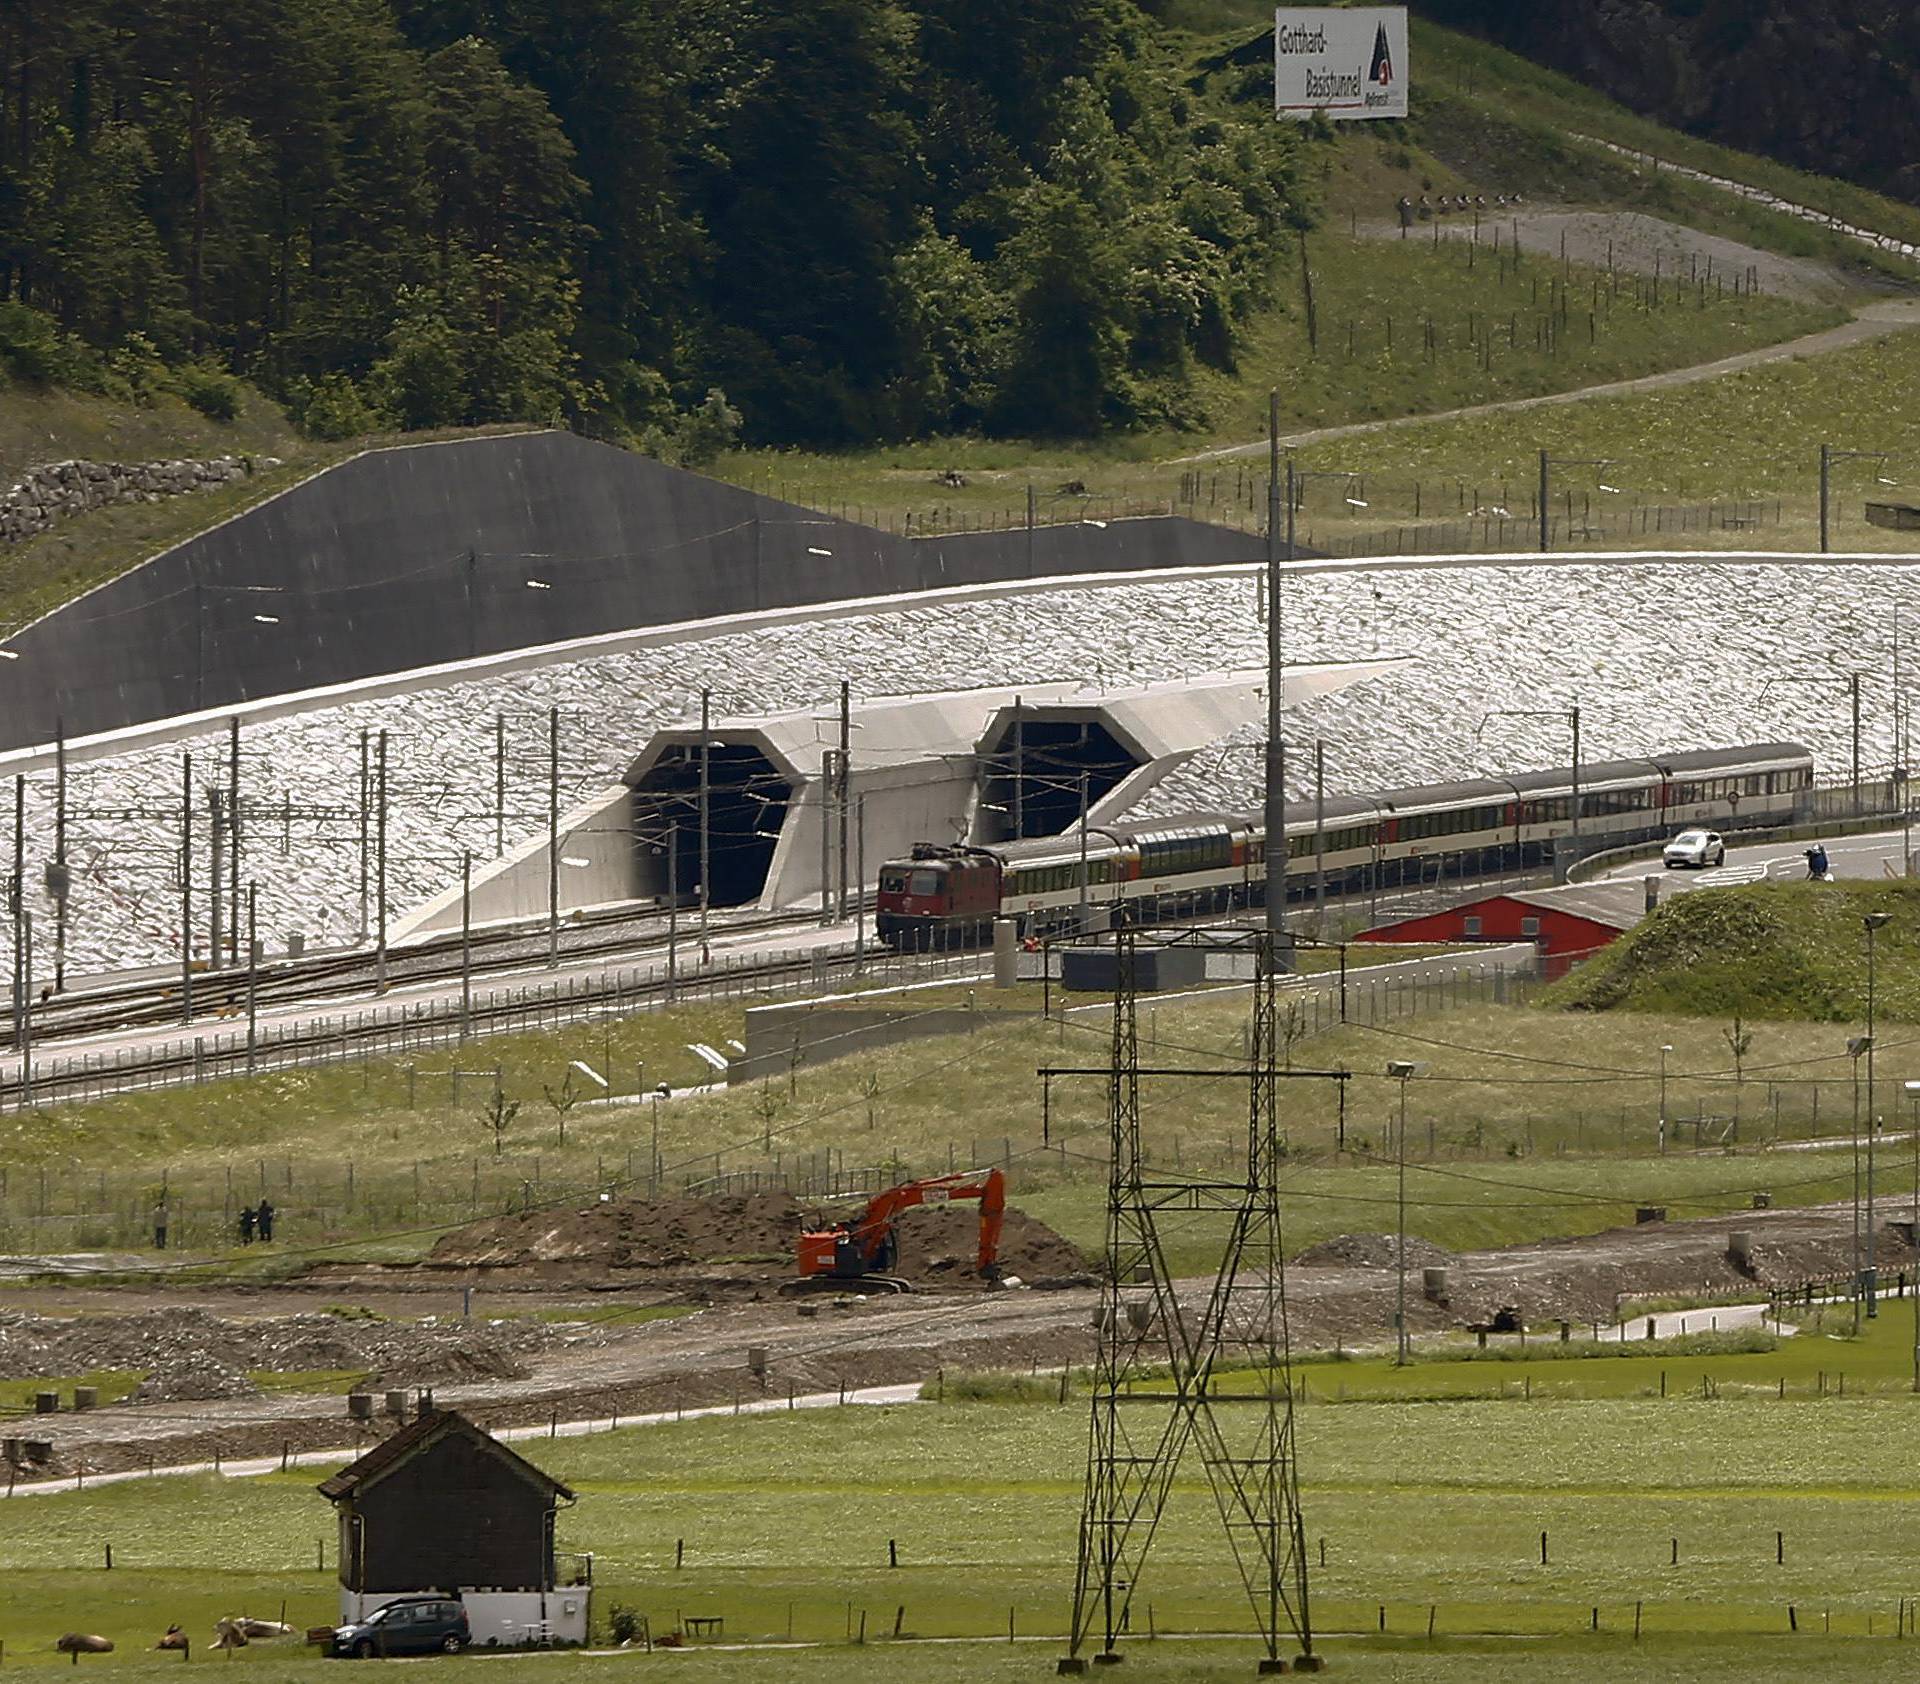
{"x":819,"y":1031}
{"x":405,"y":557}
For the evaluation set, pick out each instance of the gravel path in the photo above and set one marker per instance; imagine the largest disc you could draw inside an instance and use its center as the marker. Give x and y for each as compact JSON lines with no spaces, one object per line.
{"x":1872,"y":321}
{"x":1644,"y":245}
{"x":1639,"y":244}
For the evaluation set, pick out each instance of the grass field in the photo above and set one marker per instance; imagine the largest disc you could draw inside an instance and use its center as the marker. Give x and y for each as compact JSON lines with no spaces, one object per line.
{"x":1526,"y":1122}
{"x":1764,"y":952}
{"x":981,"y":1500}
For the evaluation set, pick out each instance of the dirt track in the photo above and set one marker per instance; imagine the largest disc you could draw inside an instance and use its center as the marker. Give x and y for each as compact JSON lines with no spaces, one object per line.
{"x":702,"y":1358}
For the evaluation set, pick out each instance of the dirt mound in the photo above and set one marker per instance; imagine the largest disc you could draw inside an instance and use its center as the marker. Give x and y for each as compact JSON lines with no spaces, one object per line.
{"x":942,"y":1243}
{"x":630,"y":1234}
{"x":1372,"y":1251}
{"x":753,"y":1230}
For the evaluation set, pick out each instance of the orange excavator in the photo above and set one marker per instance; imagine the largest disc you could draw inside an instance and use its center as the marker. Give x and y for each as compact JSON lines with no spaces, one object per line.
{"x":857,"y":1254}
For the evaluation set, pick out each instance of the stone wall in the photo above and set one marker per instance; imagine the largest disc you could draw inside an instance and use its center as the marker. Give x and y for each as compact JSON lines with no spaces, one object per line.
{"x":49,"y":494}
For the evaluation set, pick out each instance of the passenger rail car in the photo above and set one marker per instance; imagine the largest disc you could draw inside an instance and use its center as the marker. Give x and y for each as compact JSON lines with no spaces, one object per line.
{"x":1211,"y":862}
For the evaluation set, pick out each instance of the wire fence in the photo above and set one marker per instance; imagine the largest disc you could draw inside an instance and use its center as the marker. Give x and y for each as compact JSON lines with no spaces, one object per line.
{"x":1059,"y":1136}
{"x":1588,"y":527}
{"x":399,"y":1030}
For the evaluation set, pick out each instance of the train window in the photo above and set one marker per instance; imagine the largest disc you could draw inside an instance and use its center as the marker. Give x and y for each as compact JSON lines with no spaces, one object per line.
{"x":924,"y":882}
{"x":893,"y":882}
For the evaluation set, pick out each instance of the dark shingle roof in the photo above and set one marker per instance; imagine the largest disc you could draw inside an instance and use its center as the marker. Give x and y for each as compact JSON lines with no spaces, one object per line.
{"x":417,"y":1435}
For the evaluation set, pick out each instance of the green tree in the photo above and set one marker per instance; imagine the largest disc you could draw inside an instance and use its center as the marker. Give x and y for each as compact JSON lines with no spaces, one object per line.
{"x":1066,"y":368}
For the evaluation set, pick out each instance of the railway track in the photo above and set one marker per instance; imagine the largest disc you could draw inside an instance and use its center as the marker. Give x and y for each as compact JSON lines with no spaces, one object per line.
{"x":289,"y":1045}
{"x":221,"y":994}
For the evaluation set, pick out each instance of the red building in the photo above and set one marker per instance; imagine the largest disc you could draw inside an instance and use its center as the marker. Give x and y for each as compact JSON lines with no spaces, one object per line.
{"x":1567,"y":924}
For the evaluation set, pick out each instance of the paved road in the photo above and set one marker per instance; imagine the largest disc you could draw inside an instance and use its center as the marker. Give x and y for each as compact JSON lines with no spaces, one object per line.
{"x":1678,"y":1324}
{"x":1849,"y":856}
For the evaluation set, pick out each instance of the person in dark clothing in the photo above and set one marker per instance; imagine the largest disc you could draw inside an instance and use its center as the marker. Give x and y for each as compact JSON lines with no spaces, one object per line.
{"x":264,"y":1217}
{"x":247,"y":1219}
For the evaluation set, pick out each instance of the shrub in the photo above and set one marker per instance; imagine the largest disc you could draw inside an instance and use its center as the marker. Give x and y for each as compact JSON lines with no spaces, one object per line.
{"x":134,"y":370}
{"x":213,"y":394}
{"x":29,"y":344}
{"x":335,"y":408}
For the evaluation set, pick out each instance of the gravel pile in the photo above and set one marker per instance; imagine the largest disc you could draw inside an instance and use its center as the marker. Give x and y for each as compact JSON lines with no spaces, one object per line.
{"x":1487,"y":639}
{"x":194,"y":1377}
{"x":1372,"y":1251}
{"x":185,"y":1349}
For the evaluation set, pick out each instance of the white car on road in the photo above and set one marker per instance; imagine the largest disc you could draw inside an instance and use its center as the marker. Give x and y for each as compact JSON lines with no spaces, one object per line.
{"x":1698,"y":848}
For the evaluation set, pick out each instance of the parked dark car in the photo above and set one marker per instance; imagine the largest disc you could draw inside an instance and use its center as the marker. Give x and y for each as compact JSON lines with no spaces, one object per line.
{"x":414,"y":1625}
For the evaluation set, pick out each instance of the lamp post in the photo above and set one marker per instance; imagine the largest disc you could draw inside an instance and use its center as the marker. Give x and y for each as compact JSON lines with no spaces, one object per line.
{"x":1663,"y":1095}
{"x":1856,"y":1048}
{"x":1403,"y":1071}
{"x":1829,"y":456}
{"x":1872,"y":922}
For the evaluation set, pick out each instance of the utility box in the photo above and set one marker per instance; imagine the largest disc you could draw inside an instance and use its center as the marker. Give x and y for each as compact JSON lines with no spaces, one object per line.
{"x":1156,"y":970}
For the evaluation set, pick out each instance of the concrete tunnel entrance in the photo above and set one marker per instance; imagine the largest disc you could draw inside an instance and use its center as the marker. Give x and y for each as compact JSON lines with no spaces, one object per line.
{"x":747,"y":801}
{"x":1031,"y":771}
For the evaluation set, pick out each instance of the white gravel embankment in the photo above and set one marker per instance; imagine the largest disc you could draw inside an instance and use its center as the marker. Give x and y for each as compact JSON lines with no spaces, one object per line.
{"x":1659,"y":656}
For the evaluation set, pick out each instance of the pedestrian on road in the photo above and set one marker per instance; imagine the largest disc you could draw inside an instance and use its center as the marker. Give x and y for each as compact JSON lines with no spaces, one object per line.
{"x":246,"y":1224}
{"x":264,"y":1216}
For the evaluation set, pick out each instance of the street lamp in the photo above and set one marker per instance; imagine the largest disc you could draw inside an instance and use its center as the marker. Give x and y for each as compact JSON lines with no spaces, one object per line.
{"x":1663,"y":1095}
{"x":1857,"y":1046}
{"x":1402,"y":1070}
{"x":1829,"y":456}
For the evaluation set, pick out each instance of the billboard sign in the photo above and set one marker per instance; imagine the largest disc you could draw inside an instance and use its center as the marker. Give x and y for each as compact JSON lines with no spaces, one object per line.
{"x":1348,"y":61}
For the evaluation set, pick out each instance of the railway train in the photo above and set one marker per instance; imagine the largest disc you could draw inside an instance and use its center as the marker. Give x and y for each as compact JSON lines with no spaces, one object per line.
{"x":1200,"y":863}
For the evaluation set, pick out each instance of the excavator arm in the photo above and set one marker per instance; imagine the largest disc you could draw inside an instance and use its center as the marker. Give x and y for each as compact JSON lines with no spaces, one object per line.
{"x":869,"y":1235}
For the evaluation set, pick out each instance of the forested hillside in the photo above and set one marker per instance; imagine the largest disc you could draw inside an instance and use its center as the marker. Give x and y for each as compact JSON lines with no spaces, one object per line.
{"x":856,"y":219}
{"x":1824,"y":85}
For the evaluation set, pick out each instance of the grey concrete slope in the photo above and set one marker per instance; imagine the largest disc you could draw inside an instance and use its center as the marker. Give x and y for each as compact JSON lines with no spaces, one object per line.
{"x":406,"y":557}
